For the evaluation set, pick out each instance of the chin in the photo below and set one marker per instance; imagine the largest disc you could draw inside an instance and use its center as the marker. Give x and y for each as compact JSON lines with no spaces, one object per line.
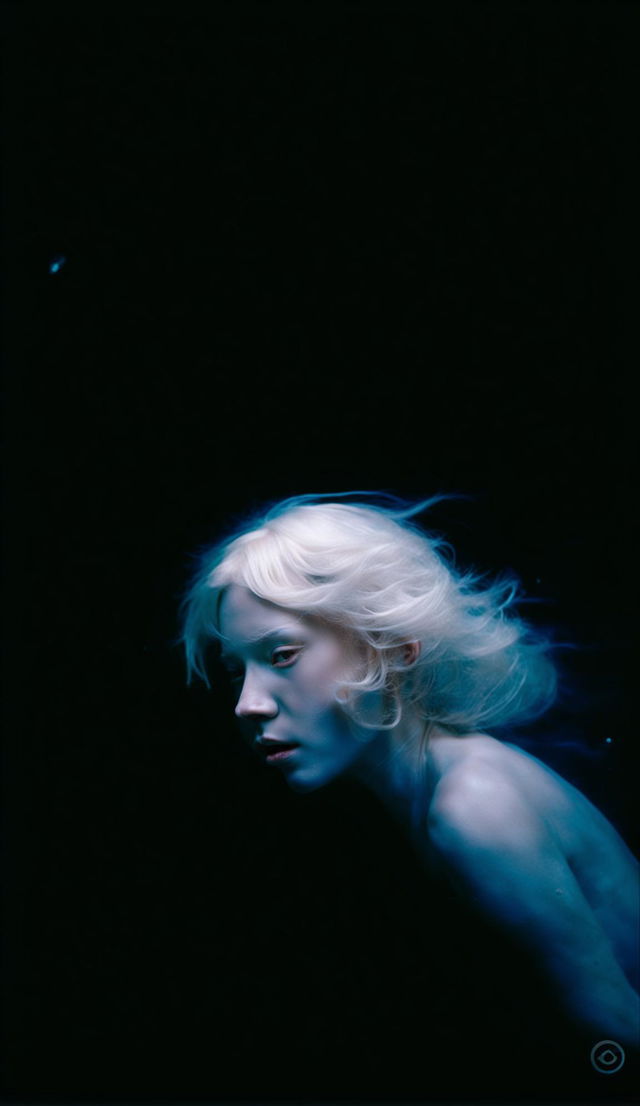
{"x":303,"y":782}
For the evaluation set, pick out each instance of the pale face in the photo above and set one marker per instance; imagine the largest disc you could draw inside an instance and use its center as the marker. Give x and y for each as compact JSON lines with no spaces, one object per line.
{"x":288,"y":671}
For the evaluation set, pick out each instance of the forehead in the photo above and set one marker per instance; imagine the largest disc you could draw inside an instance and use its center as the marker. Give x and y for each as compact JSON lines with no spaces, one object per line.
{"x":244,"y":618}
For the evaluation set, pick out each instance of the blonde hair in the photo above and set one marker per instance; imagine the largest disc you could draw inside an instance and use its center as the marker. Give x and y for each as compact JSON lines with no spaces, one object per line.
{"x":369,"y":570}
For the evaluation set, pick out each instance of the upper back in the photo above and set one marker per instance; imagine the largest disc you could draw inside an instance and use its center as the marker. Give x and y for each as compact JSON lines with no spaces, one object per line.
{"x":603,"y":864}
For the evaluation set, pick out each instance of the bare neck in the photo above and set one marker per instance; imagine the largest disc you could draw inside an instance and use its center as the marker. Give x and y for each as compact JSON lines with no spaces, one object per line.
{"x":400,"y":768}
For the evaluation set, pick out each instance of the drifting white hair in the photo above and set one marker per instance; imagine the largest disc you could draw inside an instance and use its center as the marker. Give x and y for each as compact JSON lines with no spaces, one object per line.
{"x":368,"y":570}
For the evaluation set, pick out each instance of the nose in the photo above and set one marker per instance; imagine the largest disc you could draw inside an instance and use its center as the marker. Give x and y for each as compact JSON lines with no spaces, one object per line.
{"x":255,"y":700}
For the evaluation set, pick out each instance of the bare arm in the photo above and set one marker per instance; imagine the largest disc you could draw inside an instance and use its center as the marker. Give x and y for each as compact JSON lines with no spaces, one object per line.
{"x":501,"y":853}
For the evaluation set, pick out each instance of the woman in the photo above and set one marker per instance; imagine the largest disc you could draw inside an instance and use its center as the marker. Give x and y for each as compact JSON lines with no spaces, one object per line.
{"x":359,"y":650}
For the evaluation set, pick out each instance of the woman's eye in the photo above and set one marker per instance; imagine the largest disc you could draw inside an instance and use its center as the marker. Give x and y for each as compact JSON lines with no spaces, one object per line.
{"x":282,"y":658}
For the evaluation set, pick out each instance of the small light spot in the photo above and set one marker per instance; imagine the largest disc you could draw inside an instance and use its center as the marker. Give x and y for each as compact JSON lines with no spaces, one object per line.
{"x":608,"y":740}
{"x":57,"y":263}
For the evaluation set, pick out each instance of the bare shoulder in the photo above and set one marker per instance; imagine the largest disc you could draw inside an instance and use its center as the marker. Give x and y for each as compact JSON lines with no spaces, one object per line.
{"x":473,"y":768}
{"x":496,"y":806}
{"x":481,"y":779}
{"x":491,"y":840}
{"x":482,"y":796}
{"x":479,"y":775}
{"x":532,"y":852}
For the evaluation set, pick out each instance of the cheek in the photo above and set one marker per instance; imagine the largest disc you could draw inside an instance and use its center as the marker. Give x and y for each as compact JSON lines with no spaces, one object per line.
{"x":317,"y":693}
{"x":334,"y":730}
{"x":315,"y":701}
{"x":318,"y":684}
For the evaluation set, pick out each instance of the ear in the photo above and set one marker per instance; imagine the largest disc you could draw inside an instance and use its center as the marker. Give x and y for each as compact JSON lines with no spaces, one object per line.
{"x":410,"y":653}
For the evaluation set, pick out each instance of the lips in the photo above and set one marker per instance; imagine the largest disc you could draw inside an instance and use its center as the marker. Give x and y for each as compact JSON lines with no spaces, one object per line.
{"x":274,"y":750}
{"x":266,"y":743}
{"x":276,"y":758}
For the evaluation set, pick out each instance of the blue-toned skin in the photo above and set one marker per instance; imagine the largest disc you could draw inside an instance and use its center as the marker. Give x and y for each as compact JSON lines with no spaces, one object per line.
{"x":521,"y":843}
{"x":537,"y":858}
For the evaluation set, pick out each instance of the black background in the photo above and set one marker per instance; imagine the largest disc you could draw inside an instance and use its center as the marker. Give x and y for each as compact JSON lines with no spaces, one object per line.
{"x":308,"y":247}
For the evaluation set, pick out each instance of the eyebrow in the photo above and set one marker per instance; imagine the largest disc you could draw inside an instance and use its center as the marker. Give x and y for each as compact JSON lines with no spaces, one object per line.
{"x":268,"y":635}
